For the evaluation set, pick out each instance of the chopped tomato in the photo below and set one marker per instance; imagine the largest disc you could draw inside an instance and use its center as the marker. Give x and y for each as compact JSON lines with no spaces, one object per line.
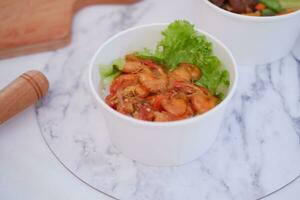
{"x":156,"y":103}
{"x":260,"y":6}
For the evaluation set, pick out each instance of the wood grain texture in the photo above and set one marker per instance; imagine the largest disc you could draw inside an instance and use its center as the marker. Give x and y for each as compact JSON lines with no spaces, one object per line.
{"x":29,"y":26}
{"x":22,"y":93}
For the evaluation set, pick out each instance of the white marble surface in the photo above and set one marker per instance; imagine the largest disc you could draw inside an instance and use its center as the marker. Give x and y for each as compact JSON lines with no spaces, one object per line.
{"x":28,"y":171}
{"x":258,"y":149}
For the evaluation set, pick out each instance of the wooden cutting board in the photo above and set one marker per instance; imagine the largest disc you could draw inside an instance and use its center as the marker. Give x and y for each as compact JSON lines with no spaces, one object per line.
{"x":29,"y":26}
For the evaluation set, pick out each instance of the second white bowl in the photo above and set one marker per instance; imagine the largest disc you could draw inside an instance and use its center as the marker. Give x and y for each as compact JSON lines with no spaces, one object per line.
{"x":252,"y":40}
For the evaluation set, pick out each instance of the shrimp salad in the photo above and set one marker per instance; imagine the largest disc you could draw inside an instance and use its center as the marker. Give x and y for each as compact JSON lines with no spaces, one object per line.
{"x":161,"y":87}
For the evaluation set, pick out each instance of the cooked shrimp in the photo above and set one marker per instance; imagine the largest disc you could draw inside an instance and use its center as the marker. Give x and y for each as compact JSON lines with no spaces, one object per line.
{"x":126,"y":107}
{"x":135,"y":90}
{"x":174,"y":106}
{"x":188,"y":113}
{"x":155,"y":101}
{"x":185,"y":87}
{"x":194,"y":71}
{"x":153,"y":78}
{"x":132,"y":67}
{"x":185,"y":72}
{"x":163,"y":116}
{"x":202,"y":103}
{"x":123,"y":81}
{"x":132,"y":57}
{"x":111,"y":100}
{"x":132,"y":64}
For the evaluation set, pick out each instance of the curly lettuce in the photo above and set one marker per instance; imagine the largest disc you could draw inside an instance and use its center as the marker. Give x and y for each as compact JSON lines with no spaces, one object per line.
{"x":109,"y":72}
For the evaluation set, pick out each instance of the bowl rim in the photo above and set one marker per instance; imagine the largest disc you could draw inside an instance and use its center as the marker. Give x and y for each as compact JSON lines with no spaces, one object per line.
{"x":162,"y":124}
{"x":250,"y":18}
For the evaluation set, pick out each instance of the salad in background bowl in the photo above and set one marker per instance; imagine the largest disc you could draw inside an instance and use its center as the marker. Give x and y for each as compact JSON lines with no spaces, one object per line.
{"x":259,"y":7}
{"x":149,"y":77}
{"x":253,"y":39}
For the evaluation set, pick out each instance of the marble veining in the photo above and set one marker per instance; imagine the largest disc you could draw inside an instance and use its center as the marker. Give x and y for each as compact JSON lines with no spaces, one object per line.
{"x":257,"y":150}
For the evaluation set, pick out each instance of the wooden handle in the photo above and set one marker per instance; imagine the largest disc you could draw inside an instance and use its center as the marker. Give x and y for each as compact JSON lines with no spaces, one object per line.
{"x":21,"y":93}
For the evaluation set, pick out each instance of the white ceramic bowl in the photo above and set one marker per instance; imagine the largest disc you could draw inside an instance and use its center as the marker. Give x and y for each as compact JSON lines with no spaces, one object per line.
{"x":252,"y":40}
{"x":154,"y":143}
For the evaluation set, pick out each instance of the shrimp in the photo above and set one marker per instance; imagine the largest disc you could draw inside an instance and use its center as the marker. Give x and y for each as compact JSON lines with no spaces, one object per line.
{"x":200,"y":98}
{"x":203,"y":101}
{"x":122,"y":91}
{"x":135,"y":90}
{"x":126,"y":107}
{"x":112,"y":100}
{"x":123,"y":81}
{"x":185,"y":72}
{"x":194,"y":71}
{"x":163,"y":116}
{"x":188,"y":113}
{"x":132,"y":67}
{"x":132,"y":64}
{"x":174,"y":106}
{"x":185,"y":87}
{"x":122,"y":105}
{"x":153,"y":78}
{"x":155,"y":101}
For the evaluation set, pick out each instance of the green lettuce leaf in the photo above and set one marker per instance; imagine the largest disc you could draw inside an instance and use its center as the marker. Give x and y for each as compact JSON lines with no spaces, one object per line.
{"x":109,"y":72}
